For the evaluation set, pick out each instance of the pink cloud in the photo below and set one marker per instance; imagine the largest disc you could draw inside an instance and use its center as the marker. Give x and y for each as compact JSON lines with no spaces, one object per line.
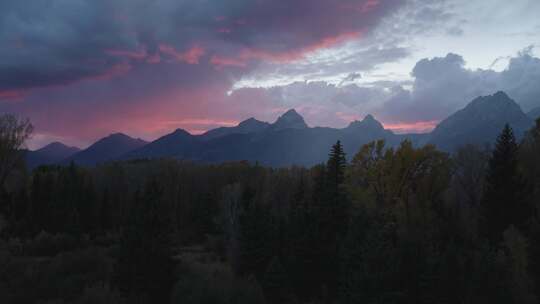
{"x":11,"y":95}
{"x":412,"y":127}
{"x":347,"y":117}
{"x":249,"y":54}
{"x":363,"y":8}
{"x":191,"y":56}
{"x":153,"y":59}
{"x":115,"y":71}
{"x":220,"y":61}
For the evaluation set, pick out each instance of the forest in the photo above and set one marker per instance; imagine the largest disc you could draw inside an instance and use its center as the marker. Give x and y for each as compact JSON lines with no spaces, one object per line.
{"x":387,"y":225}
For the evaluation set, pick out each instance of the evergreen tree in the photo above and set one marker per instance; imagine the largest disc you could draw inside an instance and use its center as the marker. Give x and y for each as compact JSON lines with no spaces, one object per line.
{"x":255,"y":237}
{"x":530,"y":159}
{"x":337,"y":203}
{"x":325,"y":226}
{"x":336,"y":165}
{"x":303,"y":234}
{"x":145,"y":269}
{"x":503,"y":203}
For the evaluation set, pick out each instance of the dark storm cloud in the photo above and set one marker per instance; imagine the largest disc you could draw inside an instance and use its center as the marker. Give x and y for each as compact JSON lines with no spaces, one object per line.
{"x":56,"y":42}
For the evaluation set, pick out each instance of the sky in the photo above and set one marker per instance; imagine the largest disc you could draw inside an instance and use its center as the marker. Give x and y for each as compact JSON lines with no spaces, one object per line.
{"x":83,"y":69}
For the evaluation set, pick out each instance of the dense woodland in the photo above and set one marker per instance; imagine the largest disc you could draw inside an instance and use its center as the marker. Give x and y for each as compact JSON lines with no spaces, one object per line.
{"x":387,"y":225}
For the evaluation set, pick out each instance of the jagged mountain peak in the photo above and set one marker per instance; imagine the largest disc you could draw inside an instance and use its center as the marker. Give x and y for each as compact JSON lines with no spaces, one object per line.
{"x":180,"y":132}
{"x":480,"y":122}
{"x":499,"y":101}
{"x":496,"y":107}
{"x":290,"y":120}
{"x":368,"y":122}
{"x":250,"y":122}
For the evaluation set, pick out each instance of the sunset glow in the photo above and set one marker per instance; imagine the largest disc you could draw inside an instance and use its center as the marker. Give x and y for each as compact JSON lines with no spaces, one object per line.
{"x":198,"y":66}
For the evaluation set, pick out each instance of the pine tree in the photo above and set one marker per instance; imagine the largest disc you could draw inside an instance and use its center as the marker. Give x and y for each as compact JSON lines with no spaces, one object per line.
{"x":327,"y":224}
{"x":255,"y":237}
{"x":338,"y":206}
{"x":303,"y":250}
{"x":145,"y":268}
{"x":504,"y":202}
{"x":336,"y":165}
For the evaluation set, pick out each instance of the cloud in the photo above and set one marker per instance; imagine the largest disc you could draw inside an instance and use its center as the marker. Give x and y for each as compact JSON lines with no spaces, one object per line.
{"x":443,"y":85}
{"x":439,"y":87}
{"x":351,"y":78}
{"x":331,"y":65}
{"x":388,"y":42}
{"x":146,"y":67}
{"x":57,"y":42}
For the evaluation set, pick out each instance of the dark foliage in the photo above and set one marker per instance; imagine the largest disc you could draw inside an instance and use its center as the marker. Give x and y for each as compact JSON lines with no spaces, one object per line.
{"x":394,"y":225}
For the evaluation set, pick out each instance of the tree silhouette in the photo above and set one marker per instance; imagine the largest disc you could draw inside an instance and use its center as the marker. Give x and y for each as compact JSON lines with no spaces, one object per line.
{"x":145,"y":268}
{"x":503,"y":203}
{"x":13,"y":134}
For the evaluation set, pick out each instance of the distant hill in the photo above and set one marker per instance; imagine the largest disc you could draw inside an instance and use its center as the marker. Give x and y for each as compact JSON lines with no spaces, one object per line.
{"x":480,"y":122}
{"x":50,"y":154}
{"x":105,"y":149}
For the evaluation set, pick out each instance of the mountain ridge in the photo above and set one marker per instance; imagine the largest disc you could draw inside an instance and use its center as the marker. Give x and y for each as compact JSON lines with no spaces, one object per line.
{"x":480,"y":121}
{"x":105,"y":149}
{"x":49,"y":154}
{"x":290,"y":141}
{"x":289,"y":120}
{"x":250,"y":125}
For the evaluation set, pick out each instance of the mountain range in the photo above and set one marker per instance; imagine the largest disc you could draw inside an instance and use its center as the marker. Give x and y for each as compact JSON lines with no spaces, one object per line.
{"x":105,"y":149}
{"x":50,"y":154}
{"x":290,"y":141}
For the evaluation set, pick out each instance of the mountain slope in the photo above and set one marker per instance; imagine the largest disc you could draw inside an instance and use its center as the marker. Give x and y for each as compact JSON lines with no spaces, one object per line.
{"x":50,"y":154}
{"x":534,"y":113}
{"x":290,"y":120}
{"x":480,"y":122}
{"x":178,"y":144}
{"x":286,"y":142}
{"x":247,"y":126}
{"x":106,"y":149}
{"x":289,"y":140}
